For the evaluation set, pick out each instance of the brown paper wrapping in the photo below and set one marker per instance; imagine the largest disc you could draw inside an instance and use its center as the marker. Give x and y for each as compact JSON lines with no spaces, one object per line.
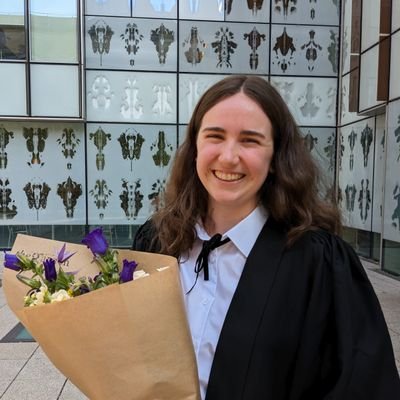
{"x":128,"y":341}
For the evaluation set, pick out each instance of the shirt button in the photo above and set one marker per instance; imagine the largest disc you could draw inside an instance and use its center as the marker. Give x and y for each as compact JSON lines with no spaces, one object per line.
{"x":204,"y":301}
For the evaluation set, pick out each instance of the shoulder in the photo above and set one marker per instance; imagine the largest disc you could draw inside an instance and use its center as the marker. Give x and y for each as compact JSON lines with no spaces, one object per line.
{"x":144,"y":238}
{"x":331,"y":254}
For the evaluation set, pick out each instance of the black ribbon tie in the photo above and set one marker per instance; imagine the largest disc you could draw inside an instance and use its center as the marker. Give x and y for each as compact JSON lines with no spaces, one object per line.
{"x":202,"y":259}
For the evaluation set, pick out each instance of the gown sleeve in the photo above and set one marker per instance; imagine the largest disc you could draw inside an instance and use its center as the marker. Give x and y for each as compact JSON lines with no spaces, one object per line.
{"x":356,"y":359}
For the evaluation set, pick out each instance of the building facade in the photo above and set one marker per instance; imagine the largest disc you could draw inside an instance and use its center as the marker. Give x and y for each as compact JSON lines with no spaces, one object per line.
{"x":95,"y":96}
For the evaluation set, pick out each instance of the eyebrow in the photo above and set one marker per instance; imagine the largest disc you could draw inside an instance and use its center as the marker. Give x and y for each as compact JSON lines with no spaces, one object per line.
{"x":244,"y":132}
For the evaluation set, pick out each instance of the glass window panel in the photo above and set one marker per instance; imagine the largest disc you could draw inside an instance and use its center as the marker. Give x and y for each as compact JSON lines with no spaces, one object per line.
{"x":346,"y":115}
{"x":131,"y":96}
{"x":12,"y":30}
{"x":356,"y":173}
{"x":155,"y":8}
{"x":195,"y":9}
{"x":55,"y":90}
{"x":394,"y":86}
{"x":51,"y":156}
{"x":304,"y":50}
{"x":203,"y":47}
{"x":13,"y":91}
{"x":391,"y":257}
{"x":369,"y":79}
{"x":346,"y":37}
{"x":379,"y":174}
{"x":108,"y":7}
{"x":324,"y":12}
{"x":321,"y":142}
{"x":191,"y":87}
{"x":127,"y":170}
{"x":54,"y":30}
{"x":312,"y":101}
{"x":12,"y":11}
{"x":392,"y":178}
{"x":371,"y":11}
{"x":246,"y":11}
{"x":127,"y":43}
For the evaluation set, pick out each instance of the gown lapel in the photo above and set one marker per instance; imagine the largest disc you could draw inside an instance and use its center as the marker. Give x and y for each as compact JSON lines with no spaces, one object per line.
{"x":235,"y":344}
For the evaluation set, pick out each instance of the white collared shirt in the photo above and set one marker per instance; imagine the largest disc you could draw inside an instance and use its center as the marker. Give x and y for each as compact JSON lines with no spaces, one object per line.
{"x":208,"y":301}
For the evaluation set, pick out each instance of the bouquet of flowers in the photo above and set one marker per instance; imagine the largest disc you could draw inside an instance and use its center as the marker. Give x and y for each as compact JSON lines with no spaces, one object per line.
{"x":115,"y":336}
{"x":49,"y":285}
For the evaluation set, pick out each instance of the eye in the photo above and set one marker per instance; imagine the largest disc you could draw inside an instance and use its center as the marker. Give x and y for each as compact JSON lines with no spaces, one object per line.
{"x":214,"y":135}
{"x":250,"y":140}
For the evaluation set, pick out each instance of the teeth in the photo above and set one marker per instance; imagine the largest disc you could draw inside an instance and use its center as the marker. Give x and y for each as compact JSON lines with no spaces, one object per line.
{"x":227,"y":176}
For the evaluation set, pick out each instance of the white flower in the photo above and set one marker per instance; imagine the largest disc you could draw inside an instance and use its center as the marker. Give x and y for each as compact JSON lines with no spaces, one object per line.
{"x":60,"y":295}
{"x":40,"y":296}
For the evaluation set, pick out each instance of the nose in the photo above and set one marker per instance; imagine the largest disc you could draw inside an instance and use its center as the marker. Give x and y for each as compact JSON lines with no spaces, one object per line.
{"x":229,"y":153}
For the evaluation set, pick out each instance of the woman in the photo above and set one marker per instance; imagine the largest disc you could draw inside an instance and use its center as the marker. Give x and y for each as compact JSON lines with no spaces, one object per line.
{"x":278,"y":306}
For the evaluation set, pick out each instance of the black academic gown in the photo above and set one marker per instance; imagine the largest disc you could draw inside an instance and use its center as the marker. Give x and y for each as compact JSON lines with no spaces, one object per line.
{"x":304,"y":323}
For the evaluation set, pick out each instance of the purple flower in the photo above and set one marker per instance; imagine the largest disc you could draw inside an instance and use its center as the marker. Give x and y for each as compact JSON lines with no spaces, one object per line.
{"x":84,"y":289}
{"x":64,"y":255}
{"x":11,"y":261}
{"x":127,"y":271}
{"x":50,"y":269}
{"x":96,"y":242}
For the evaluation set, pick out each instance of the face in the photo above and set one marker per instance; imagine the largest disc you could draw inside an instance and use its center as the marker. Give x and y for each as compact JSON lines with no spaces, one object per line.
{"x":234,"y":152}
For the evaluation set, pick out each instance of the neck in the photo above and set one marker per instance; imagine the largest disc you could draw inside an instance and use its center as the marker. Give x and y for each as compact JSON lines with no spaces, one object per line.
{"x":220,"y":221}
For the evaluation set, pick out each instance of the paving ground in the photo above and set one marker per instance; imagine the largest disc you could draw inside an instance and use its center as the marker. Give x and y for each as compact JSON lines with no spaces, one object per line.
{"x":26,"y":373}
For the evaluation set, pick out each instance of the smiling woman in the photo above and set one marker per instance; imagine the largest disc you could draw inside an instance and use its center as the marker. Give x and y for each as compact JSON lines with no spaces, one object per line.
{"x":285,"y":310}
{"x":234,"y":152}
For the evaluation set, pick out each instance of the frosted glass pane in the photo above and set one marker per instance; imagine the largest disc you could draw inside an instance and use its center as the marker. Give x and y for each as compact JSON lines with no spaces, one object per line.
{"x":346,"y":37}
{"x":108,"y":7}
{"x":321,"y":142}
{"x":127,"y":43}
{"x":224,"y":48}
{"x":45,"y":173}
{"x":131,"y":96}
{"x":346,"y":116}
{"x":195,"y":9}
{"x":191,"y":88}
{"x":128,"y":165}
{"x":371,"y":12}
{"x":304,"y":50}
{"x":312,"y":101}
{"x":379,"y":174}
{"x":55,"y":90}
{"x":247,"y":11}
{"x":391,"y":229}
{"x":54,"y":31}
{"x":394,"y":66}
{"x":323,"y":12}
{"x":155,"y":8}
{"x":369,"y":79}
{"x":356,"y":171}
{"x":12,"y":84}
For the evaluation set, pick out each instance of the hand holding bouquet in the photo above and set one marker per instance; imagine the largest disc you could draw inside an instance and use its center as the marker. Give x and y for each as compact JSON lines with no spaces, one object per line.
{"x":112,"y":340}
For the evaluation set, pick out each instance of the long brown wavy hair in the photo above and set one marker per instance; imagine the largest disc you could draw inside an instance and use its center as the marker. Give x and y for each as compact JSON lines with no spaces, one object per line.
{"x":290,"y":193}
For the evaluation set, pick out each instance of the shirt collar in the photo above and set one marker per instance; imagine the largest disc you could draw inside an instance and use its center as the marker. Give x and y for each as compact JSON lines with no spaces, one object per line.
{"x":244,"y":234}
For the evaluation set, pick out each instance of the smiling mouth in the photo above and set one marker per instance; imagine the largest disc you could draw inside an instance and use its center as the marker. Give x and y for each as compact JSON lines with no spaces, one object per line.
{"x":228,"y":176}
